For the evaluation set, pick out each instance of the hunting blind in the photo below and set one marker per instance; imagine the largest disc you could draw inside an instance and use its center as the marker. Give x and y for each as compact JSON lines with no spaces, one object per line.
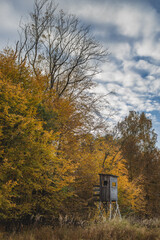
{"x":108,"y":188}
{"x":107,"y":192}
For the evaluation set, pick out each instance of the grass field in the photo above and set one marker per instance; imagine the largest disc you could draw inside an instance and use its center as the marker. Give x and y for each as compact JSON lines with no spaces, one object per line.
{"x":113,"y":230}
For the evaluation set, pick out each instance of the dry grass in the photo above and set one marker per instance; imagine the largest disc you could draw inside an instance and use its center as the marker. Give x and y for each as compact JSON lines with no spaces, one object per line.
{"x":113,"y":230}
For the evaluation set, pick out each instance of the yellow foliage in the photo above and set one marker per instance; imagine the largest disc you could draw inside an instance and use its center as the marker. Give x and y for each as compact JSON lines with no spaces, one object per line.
{"x":102,"y":155}
{"x":33,"y":176}
{"x":47,"y":162}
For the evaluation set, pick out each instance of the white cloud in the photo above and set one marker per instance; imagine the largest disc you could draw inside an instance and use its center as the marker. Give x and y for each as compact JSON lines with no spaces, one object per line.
{"x":100,"y":89}
{"x":148,"y":47}
{"x":132,"y":19}
{"x":8,"y":17}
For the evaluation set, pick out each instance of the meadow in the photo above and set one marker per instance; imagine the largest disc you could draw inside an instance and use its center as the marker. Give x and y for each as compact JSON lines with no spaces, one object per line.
{"x":104,"y":230}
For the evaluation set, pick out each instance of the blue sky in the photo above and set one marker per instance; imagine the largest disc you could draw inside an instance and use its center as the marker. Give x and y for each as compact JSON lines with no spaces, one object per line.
{"x":130,"y":30}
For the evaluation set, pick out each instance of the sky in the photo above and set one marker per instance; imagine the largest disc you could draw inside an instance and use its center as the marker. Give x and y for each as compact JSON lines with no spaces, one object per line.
{"x":130,"y":30}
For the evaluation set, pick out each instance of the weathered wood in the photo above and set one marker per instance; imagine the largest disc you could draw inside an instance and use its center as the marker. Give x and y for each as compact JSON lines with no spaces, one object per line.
{"x":107,"y":191}
{"x":108,"y":188}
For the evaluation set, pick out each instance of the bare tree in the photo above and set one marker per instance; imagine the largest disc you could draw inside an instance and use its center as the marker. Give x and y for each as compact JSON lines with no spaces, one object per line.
{"x":60,"y":46}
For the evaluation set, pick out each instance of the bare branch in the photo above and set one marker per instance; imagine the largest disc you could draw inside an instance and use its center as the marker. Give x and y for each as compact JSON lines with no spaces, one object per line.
{"x":61,"y":47}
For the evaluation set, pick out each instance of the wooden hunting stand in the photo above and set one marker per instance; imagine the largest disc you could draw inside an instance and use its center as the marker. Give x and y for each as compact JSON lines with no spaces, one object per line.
{"x":107,"y":192}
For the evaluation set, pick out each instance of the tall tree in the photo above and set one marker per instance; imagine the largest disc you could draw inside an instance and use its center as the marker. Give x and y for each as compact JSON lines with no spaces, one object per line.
{"x":138,"y":141}
{"x":62,"y":47}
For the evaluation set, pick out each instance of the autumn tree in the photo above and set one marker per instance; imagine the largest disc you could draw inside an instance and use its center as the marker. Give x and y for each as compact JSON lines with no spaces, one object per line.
{"x":112,"y":161}
{"x":64,"y":50}
{"x":103,"y":155}
{"x":33,"y":179}
{"x":138,"y":141}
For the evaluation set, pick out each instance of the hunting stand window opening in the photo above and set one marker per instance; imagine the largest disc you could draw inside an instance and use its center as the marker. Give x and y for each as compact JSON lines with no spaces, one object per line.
{"x":105,"y":183}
